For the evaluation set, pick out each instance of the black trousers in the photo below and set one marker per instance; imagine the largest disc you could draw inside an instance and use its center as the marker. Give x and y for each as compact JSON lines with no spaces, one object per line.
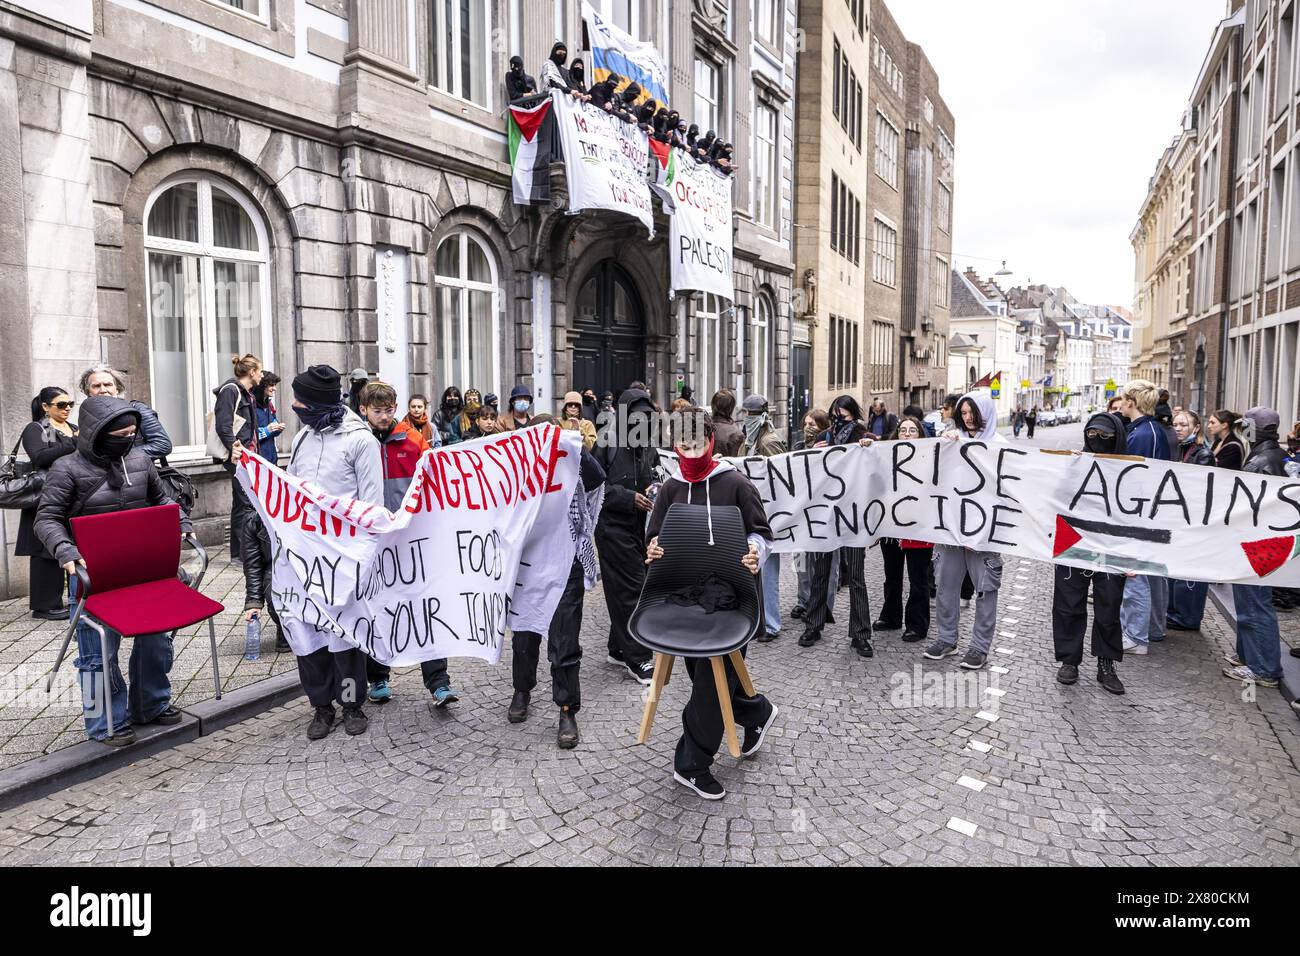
{"x":1070,"y":614}
{"x":859,"y":602}
{"x":434,"y":672}
{"x":563,"y":647}
{"x":917,"y":561}
{"x":47,"y":584}
{"x":328,"y":677}
{"x":240,"y":506}
{"x":622,"y":572}
{"x":702,"y":727}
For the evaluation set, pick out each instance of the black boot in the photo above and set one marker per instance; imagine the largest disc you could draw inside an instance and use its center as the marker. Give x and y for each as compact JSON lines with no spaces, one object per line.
{"x":1068,"y":674}
{"x":567,"y":738}
{"x":321,"y":724}
{"x":518,"y":711}
{"x":355,"y":721}
{"x":1107,"y":677}
{"x":863,"y":648}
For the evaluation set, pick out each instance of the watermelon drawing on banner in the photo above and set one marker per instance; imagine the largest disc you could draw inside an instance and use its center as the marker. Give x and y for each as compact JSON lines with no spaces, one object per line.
{"x":1269,"y":554}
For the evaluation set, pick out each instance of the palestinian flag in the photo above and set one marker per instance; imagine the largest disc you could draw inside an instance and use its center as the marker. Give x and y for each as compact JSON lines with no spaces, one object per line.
{"x":532,"y":131}
{"x":665,"y":160}
{"x":1068,"y":541}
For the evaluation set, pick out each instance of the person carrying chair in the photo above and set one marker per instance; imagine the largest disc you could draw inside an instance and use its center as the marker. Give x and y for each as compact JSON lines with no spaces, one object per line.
{"x":716,"y":485}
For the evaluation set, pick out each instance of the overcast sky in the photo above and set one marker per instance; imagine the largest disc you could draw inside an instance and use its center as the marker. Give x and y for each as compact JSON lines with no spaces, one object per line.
{"x":1062,"y":110}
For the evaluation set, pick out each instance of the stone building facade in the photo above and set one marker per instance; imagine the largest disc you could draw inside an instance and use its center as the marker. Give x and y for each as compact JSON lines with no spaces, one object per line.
{"x":321,"y":181}
{"x":874,"y":203}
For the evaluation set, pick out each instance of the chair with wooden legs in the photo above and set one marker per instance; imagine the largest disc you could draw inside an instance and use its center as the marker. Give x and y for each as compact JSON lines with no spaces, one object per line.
{"x":674,"y":630}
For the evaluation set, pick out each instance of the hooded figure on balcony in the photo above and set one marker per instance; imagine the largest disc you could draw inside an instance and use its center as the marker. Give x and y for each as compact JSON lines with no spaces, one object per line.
{"x":518,"y":83}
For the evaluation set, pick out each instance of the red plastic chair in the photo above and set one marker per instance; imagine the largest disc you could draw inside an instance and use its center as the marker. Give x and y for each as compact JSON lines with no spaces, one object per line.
{"x":132,"y":558}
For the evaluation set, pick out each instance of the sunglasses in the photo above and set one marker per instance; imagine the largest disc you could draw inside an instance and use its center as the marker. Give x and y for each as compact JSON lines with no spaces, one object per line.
{"x":62,"y":405}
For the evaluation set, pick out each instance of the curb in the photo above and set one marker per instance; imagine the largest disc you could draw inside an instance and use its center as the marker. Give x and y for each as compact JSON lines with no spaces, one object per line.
{"x":1289,"y":685}
{"x":87,"y":760}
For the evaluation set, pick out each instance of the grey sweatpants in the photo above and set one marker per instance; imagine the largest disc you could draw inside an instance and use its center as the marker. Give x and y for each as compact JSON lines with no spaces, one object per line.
{"x":952,"y":563}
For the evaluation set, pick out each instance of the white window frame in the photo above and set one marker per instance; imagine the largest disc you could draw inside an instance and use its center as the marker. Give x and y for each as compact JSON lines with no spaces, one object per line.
{"x":708,"y":331}
{"x":453,"y":89}
{"x":207,"y":368}
{"x":886,"y":134}
{"x":718,"y":104}
{"x":884,"y":252}
{"x":775,"y":10}
{"x":945,"y":209}
{"x":606,"y":9}
{"x":942,"y":281}
{"x":463,"y":286}
{"x":761,"y":341}
{"x":263,"y":16}
{"x":767,"y":194}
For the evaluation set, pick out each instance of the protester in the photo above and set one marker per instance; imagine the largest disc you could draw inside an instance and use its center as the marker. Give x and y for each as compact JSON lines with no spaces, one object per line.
{"x":400,"y":451}
{"x":106,"y":380}
{"x":444,"y":419}
{"x":1230,"y":443}
{"x":1165,"y":418}
{"x":727,"y":436}
{"x":847,"y":428}
{"x":1017,"y":421}
{"x":1112,"y":406}
{"x":719,"y":484}
{"x":337,"y":453}
{"x":917,"y":412}
{"x":1030,"y":421}
{"x":235,"y":399}
{"x":680,"y":405}
{"x":485,"y":423}
{"x":761,"y":439}
{"x":1187,"y":598}
{"x":1258,"y":655}
{"x":882,"y":422}
{"x":518,"y":416}
{"x":916,"y":556}
{"x":946,"y":412}
{"x":563,"y":638}
{"x":47,"y":438}
{"x":629,"y":460}
{"x":816,"y":423}
{"x":552,"y":74}
{"x":977,"y":420}
{"x":1104,"y":434}
{"x":356,"y":382}
{"x":577,"y":75}
{"x":269,"y":425}
{"x":417,"y":419}
{"x":571,"y":420}
{"x":518,"y":83}
{"x":1146,"y":596}
{"x":465,"y":420}
{"x":109,"y":473}
{"x":590,"y":406}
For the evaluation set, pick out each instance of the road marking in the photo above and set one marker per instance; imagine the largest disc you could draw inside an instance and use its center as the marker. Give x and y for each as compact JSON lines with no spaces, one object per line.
{"x":1007,"y":634}
{"x":995,"y":691}
{"x":1011,"y":621}
{"x":999,"y":670}
{"x":985,"y":715}
{"x":971,"y":783}
{"x":1004,"y":650}
{"x":962,"y":826}
{"x":980,"y":747}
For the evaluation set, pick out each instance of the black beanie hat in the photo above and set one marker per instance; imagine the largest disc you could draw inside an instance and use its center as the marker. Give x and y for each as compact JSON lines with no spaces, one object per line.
{"x":319,"y":385}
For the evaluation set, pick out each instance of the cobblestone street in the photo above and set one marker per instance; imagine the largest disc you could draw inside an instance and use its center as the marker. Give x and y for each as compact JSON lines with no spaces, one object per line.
{"x":889,"y":761}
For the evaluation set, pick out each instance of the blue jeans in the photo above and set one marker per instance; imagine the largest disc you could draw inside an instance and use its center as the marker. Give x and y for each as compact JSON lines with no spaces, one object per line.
{"x":1146,"y":602}
{"x":772,"y":593}
{"x":150,"y":690}
{"x":1258,"y":639}
{"x":1187,"y":603}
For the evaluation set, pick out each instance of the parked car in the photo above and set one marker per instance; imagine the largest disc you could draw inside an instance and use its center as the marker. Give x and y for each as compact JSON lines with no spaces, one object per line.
{"x":1047,"y":417}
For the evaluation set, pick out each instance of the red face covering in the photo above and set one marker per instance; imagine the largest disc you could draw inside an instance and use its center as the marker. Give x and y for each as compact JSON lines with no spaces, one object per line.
{"x":697,"y":469}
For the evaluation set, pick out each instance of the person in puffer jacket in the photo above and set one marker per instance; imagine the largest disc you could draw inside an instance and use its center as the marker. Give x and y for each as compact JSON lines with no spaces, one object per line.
{"x":401,"y":448}
{"x":337,"y":453}
{"x":110,"y":472}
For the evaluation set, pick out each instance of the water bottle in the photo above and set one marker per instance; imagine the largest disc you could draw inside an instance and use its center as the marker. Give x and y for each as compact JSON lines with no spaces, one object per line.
{"x":253,"y":638}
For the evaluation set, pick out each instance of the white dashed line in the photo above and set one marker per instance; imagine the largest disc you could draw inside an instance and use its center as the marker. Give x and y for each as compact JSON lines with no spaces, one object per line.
{"x":1011,"y":622}
{"x":962,"y":826}
{"x":985,"y":715}
{"x":980,"y":747}
{"x":971,"y":783}
{"x":995,"y":691}
{"x":1007,"y":634}
{"x":1004,"y":650}
{"x":999,"y":670}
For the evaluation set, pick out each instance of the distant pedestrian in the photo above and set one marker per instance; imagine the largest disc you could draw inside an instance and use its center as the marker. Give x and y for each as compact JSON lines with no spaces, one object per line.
{"x":728,"y":439}
{"x":269,"y":425}
{"x":881,"y":423}
{"x":1030,"y":421}
{"x":47,"y":438}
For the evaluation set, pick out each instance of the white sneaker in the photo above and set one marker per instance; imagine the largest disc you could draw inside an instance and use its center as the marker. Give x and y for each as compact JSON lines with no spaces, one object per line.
{"x":1133,"y":647}
{"x":1232,"y":658}
{"x":1247,"y":676}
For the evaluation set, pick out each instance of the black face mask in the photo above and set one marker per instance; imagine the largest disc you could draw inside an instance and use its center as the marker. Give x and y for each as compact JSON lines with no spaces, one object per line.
{"x":559,"y":56}
{"x":115,"y":446}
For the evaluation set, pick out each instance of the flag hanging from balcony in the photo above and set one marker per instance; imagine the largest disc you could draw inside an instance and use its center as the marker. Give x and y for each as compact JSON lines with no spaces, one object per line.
{"x":532,"y":131}
{"x":615,"y":51}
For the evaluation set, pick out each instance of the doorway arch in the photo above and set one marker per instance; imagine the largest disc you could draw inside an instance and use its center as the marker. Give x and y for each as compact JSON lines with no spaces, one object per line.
{"x":608,"y":331}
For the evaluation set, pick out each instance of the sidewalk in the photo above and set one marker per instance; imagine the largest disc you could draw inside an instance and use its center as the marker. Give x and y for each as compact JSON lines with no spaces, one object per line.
{"x":33,"y":723}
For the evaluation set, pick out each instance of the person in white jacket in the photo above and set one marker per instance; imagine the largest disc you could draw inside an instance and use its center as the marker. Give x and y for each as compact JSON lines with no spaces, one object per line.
{"x":337,"y":452}
{"x":976,"y":418}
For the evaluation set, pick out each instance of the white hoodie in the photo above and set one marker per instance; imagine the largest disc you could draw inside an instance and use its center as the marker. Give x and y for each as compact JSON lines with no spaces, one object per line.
{"x":988,"y":413}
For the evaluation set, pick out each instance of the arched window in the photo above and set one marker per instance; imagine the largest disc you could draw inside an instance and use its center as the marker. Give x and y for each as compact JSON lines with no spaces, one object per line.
{"x":465,"y":309}
{"x":761,"y":351}
{"x":208,"y":259}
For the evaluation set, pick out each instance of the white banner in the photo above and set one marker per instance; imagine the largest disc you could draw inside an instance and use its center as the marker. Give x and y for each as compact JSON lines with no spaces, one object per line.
{"x":1122,"y":514}
{"x":481,"y":543}
{"x":605,"y":160}
{"x":700,"y":238}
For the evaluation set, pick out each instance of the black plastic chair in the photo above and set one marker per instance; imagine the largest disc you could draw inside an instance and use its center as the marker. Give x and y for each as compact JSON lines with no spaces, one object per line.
{"x":673,"y":630}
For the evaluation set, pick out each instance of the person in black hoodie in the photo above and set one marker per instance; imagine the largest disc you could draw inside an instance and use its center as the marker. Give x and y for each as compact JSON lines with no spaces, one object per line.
{"x":518,"y":83}
{"x":445,"y":418}
{"x":1105,"y":434}
{"x":578,"y":80}
{"x":109,"y":473}
{"x":701,"y":476}
{"x":629,"y":461}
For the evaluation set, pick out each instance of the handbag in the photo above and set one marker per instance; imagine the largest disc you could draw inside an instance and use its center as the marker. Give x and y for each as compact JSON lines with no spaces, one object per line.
{"x":178,"y":484}
{"x":20,"y":482}
{"x":215,"y":446}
